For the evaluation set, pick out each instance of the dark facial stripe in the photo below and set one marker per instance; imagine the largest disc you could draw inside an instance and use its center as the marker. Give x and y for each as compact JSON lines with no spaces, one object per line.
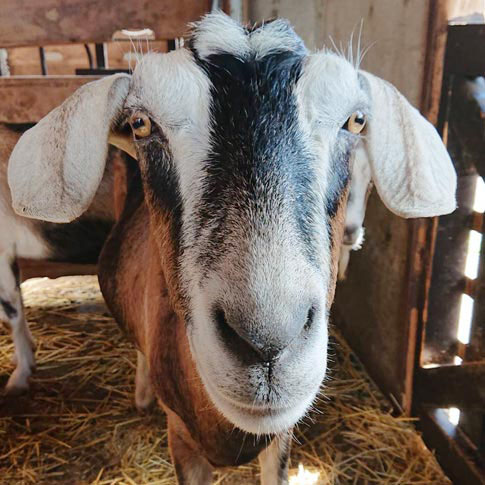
{"x":8,"y":308}
{"x":162,"y":182}
{"x":258,"y":164}
{"x":16,"y":271}
{"x":339,"y":178}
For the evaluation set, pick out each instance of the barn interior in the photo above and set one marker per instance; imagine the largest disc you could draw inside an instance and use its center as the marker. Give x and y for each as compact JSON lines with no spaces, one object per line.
{"x":404,"y":402}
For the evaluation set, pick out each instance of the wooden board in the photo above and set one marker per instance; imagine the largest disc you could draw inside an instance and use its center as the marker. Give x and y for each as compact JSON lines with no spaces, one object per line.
{"x":30,"y":268}
{"x":43,"y":22}
{"x":461,"y":386}
{"x":28,"y":99}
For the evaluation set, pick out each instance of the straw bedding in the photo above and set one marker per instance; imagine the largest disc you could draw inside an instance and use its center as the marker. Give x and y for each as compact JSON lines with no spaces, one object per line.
{"x":79,"y":425}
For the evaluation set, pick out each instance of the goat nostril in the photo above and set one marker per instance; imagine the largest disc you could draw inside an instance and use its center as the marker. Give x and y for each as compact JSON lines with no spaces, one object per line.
{"x":225,"y":329}
{"x":309,"y":319}
{"x":243,"y":341}
{"x":220,"y":316}
{"x":351,"y":233}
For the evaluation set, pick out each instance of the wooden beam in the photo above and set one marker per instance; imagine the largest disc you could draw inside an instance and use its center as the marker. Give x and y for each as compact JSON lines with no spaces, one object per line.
{"x":30,"y":268}
{"x":435,"y":53}
{"x":452,"y":385}
{"x":469,"y":286}
{"x":43,"y":22}
{"x":477,"y":221}
{"x":28,"y":99}
{"x":453,"y":455}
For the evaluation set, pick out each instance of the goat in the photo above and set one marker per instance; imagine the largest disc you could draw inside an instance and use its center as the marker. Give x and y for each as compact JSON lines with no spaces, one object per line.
{"x":223,"y":265}
{"x":77,"y":242}
{"x":359,"y":190}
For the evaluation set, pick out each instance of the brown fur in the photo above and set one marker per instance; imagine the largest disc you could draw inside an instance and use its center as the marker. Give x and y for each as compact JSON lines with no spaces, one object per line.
{"x":139,"y":282}
{"x":337,"y":226}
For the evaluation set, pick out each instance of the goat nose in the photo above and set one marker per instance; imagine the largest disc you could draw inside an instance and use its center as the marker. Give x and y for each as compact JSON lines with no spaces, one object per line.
{"x":265,"y":342}
{"x":351,"y":233}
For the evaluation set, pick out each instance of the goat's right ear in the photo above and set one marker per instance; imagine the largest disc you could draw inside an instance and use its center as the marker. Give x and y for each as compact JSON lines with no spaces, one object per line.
{"x":57,"y":166}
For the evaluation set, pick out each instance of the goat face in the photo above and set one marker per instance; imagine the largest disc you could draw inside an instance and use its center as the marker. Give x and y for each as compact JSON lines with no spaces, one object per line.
{"x":244,"y":142}
{"x":256,"y":203}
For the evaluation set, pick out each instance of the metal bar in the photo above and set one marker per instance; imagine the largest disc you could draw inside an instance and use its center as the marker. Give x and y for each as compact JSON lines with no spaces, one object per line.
{"x":101,"y":56}
{"x":452,"y":385}
{"x":99,"y":72}
{"x":43,"y":64}
{"x":90,"y":56}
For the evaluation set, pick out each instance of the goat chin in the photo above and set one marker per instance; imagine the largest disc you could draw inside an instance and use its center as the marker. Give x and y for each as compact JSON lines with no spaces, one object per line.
{"x":259,"y":421}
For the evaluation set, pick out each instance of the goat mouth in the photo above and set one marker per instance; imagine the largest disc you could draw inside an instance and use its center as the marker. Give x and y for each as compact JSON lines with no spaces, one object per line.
{"x":258,"y":419}
{"x":255,"y":408}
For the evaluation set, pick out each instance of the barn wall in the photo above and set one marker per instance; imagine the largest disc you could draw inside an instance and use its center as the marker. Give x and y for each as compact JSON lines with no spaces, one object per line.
{"x":398,"y":29}
{"x":371,"y":305}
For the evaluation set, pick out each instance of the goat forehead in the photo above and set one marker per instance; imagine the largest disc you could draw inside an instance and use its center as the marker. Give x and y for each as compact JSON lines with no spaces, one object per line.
{"x":215,"y":34}
{"x":177,"y":88}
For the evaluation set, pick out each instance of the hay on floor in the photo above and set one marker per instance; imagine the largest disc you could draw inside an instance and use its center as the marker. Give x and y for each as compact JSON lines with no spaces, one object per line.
{"x":79,"y":425}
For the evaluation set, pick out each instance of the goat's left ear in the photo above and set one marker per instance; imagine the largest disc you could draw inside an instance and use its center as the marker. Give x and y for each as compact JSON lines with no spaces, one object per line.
{"x":56,"y":166}
{"x":411,"y":168}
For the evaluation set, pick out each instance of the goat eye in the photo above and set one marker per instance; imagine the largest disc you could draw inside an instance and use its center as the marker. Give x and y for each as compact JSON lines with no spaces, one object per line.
{"x":355,"y":124}
{"x":141,"y":125}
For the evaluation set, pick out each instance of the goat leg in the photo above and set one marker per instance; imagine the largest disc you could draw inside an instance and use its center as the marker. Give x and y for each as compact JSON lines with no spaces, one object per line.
{"x":144,"y":396}
{"x":12,"y":312}
{"x":191,"y":468}
{"x":274,"y":461}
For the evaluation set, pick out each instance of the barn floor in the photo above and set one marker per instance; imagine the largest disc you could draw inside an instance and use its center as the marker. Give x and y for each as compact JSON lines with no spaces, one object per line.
{"x":79,"y":425}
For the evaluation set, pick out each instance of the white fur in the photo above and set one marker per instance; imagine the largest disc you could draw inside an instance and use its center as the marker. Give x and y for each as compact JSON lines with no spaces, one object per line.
{"x":270,"y":39}
{"x":217,"y":33}
{"x":244,"y":284}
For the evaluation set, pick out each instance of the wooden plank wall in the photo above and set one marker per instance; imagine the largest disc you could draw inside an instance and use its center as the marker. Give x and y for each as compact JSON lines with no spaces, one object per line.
{"x":63,"y":26}
{"x":30,"y":98}
{"x":43,"y":22}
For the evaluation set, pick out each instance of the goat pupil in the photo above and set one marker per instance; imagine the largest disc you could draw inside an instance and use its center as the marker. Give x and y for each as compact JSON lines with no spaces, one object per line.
{"x":138,"y":123}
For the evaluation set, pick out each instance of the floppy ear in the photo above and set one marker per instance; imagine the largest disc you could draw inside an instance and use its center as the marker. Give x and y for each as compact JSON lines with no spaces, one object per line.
{"x":57,"y":166}
{"x":411,"y":168}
